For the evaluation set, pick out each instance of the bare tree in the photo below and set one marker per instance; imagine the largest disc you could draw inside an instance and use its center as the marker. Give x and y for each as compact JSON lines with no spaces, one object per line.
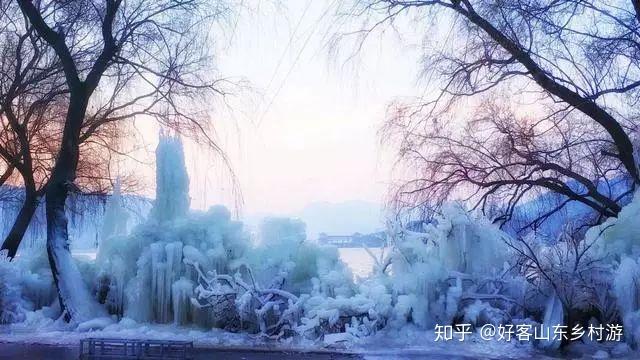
{"x":150,"y":57}
{"x":32,"y":101}
{"x":31,"y":85}
{"x":577,"y":60}
{"x":499,"y":159}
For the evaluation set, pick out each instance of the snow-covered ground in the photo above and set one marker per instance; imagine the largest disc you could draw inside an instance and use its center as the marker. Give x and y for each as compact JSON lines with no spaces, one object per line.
{"x":382,"y":345}
{"x":410,"y":343}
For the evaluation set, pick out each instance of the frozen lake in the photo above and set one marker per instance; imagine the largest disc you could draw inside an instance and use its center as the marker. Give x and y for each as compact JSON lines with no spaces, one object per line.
{"x":360,"y":262}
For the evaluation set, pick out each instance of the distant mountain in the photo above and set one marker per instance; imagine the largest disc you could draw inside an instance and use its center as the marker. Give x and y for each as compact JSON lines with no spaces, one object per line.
{"x":575,"y":212}
{"x":344,"y":218}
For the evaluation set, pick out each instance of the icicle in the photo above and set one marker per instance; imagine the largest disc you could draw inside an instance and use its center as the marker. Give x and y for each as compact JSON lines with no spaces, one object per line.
{"x":116,"y":287}
{"x":158,"y":266}
{"x":166,"y":265}
{"x":182,"y":291}
{"x":140,"y":300}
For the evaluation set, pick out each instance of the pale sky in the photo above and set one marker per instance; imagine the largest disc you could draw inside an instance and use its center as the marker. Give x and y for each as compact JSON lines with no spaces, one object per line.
{"x":308,"y":131}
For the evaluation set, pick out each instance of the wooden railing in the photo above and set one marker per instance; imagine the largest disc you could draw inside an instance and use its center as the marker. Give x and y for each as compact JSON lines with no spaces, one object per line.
{"x":95,"y":349}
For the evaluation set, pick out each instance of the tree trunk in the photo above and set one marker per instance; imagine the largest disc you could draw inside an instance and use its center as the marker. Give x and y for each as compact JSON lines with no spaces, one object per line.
{"x":75,"y":299}
{"x":21,"y":224}
{"x":6,"y":174}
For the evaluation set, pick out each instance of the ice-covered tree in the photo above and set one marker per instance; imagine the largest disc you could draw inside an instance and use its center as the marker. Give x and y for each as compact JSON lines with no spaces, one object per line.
{"x":570,"y":70}
{"x":33,"y":97}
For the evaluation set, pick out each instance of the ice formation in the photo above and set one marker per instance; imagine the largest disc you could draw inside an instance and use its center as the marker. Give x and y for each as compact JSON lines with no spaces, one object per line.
{"x":618,"y":241}
{"x":432,"y":270}
{"x":172,"y":182}
{"x":12,"y":308}
{"x":626,"y":286}
{"x":181,"y":293}
{"x":26,"y":284}
{"x":155,"y":268}
{"x":186,"y":267}
{"x":553,"y":316}
{"x":115,"y":216}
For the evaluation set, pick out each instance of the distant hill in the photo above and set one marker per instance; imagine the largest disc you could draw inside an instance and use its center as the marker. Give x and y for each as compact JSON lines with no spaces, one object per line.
{"x":343,"y":218}
{"x":574,"y":211}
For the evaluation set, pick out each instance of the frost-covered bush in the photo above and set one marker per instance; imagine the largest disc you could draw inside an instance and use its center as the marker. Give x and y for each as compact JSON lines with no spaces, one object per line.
{"x":286,"y":263}
{"x":275,"y":311}
{"x":433,"y":272}
{"x":568,"y":282}
{"x":236,"y":304}
{"x":568,"y":269}
{"x":616,"y":244}
{"x":359,"y":315}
